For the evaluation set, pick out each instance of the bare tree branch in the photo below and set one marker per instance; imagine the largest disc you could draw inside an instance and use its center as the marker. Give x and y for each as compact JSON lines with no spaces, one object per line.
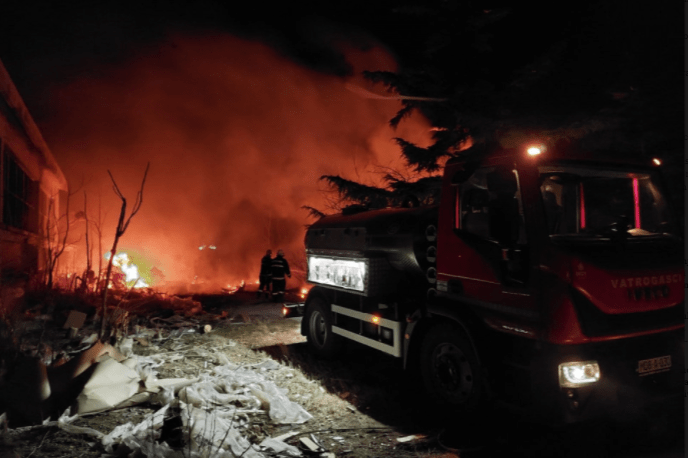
{"x":55,"y":250}
{"x":121,"y":228}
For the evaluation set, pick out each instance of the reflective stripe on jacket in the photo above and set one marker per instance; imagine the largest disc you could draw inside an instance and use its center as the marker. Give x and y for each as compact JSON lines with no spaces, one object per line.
{"x":280,"y":268}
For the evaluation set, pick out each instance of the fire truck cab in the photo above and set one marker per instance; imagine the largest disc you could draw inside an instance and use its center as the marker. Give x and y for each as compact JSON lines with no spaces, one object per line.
{"x":552,"y":283}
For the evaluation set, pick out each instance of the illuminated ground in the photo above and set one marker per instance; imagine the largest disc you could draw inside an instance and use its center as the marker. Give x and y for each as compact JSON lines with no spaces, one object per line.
{"x":360,"y":402}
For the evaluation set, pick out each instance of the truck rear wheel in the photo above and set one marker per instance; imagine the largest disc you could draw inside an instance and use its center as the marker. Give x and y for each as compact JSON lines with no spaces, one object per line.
{"x":320,"y":336}
{"x":449,"y":368}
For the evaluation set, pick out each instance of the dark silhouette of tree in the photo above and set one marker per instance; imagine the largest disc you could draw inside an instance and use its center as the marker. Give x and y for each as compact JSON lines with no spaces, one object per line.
{"x":57,"y":228}
{"x":122,"y":225}
{"x":594,"y":76}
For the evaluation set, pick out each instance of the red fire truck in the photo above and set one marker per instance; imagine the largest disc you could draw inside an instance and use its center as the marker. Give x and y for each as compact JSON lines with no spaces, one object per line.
{"x":552,"y":283}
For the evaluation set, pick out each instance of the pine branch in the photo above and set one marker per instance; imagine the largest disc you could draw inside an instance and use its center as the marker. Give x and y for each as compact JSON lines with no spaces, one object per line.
{"x":426,"y":190}
{"x":422,"y":159}
{"x":313,"y":212}
{"x":405,"y":112}
{"x":357,"y":193}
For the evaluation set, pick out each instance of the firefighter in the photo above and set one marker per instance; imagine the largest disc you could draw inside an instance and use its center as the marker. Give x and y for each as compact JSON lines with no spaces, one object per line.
{"x":265,"y":276}
{"x":280,"y":268}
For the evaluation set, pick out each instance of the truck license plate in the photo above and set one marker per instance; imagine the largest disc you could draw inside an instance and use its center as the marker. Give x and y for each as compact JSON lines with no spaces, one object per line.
{"x":653,"y":365}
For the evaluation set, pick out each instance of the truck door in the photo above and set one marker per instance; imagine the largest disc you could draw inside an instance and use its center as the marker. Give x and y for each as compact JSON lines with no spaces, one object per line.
{"x":483,"y":244}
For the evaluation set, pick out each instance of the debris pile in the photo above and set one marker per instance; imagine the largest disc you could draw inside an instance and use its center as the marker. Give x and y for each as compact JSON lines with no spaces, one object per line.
{"x":213,"y":413}
{"x":167,"y":384}
{"x":210,"y":414}
{"x":207,"y":403}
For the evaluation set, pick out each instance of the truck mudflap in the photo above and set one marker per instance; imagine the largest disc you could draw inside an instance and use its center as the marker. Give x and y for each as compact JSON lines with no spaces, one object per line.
{"x":637,"y":377}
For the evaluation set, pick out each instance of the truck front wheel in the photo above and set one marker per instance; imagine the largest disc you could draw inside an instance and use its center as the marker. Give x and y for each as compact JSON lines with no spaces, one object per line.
{"x":450,"y":370}
{"x":320,"y":336}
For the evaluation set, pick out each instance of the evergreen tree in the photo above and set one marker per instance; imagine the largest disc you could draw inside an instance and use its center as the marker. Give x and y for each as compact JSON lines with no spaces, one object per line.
{"x":598,"y":76}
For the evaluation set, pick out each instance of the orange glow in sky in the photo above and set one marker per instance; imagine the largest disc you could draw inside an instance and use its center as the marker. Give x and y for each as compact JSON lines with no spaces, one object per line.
{"x":237,"y":137}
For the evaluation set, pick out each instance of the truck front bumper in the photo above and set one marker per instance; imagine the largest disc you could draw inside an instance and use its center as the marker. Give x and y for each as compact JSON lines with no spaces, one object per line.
{"x":634,"y":380}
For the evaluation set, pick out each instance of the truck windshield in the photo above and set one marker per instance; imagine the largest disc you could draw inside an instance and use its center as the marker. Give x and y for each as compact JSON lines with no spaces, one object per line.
{"x":582,"y":201}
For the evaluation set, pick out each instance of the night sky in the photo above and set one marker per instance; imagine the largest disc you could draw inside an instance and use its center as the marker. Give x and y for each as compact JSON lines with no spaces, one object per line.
{"x":241,"y":107}
{"x":45,"y":43}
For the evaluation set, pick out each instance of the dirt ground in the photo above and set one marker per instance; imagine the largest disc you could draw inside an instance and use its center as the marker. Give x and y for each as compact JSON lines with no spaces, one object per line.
{"x":361,"y":403}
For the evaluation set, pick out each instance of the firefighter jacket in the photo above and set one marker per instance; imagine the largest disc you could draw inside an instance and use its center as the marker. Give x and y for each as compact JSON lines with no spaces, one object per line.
{"x":280,"y":267}
{"x":266,"y":266}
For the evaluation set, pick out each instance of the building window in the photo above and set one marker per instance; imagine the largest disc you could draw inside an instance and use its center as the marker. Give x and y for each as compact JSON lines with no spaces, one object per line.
{"x":17,"y":195}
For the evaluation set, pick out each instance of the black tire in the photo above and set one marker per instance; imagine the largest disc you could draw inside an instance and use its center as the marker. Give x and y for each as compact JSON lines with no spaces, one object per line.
{"x":319,"y":329}
{"x":450,"y":371}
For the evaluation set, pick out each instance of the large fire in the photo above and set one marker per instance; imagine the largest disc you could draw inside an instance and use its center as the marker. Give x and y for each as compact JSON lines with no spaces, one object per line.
{"x":132,"y":277}
{"x":237,"y":137}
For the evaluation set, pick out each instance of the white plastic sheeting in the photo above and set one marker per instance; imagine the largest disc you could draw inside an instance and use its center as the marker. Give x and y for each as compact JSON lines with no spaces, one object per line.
{"x":279,"y":446}
{"x":141,"y":437}
{"x":213,"y":433}
{"x":213,"y":410}
{"x":270,"y":397}
{"x":111,"y":384}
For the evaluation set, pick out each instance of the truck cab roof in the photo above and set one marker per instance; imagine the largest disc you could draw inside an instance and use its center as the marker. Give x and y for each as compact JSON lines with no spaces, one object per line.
{"x":521,"y":157}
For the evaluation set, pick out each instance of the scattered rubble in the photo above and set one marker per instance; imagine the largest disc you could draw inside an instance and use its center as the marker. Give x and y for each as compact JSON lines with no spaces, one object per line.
{"x":203,"y":393}
{"x":172,"y":385}
{"x":213,"y":397}
{"x":75,"y":320}
{"x":411,"y":438}
{"x":216,"y":407}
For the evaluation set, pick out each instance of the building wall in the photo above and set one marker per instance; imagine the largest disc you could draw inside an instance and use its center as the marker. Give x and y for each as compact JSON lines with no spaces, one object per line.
{"x":32,"y":186}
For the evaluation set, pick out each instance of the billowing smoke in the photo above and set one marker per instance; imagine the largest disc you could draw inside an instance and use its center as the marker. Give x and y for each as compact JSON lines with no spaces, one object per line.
{"x":237,"y":137}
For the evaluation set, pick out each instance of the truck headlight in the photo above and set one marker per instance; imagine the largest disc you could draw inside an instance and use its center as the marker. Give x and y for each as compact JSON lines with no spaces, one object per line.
{"x":578,"y":373}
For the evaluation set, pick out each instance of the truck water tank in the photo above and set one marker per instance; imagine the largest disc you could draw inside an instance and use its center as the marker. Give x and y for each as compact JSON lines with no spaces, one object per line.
{"x":404,"y":237}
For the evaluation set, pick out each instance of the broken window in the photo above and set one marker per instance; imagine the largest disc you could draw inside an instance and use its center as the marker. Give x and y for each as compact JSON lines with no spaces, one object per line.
{"x":19,"y":195}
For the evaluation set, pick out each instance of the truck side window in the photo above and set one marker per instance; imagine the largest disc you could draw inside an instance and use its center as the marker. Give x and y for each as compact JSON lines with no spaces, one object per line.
{"x":491,"y":207}
{"x":474,"y":204}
